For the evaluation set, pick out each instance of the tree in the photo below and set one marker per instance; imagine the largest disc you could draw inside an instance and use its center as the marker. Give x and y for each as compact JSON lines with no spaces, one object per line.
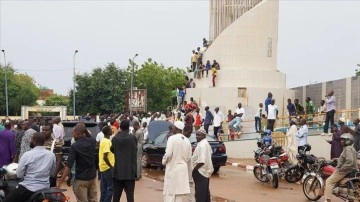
{"x":21,"y":90}
{"x":100,"y":92}
{"x":357,"y":72}
{"x":103,"y":90}
{"x":159,"y":82}
{"x":57,"y":100}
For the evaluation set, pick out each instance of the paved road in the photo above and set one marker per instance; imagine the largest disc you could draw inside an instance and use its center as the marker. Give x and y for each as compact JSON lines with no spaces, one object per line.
{"x":230,"y":185}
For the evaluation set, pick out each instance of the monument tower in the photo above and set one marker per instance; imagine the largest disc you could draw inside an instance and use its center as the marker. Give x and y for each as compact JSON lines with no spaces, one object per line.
{"x":244,"y":38}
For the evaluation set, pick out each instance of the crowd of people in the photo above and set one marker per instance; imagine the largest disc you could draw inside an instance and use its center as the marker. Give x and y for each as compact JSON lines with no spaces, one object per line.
{"x":199,"y":68}
{"x":120,"y":149}
{"x":37,"y":144}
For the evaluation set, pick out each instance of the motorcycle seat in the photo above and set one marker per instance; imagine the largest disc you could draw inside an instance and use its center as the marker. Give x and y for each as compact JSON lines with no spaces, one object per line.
{"x":349,"y":176}
{"x":352,"y":174}
{"x":41,"y":193}
{"x":12,"y":184}
{"x":277,"y":147}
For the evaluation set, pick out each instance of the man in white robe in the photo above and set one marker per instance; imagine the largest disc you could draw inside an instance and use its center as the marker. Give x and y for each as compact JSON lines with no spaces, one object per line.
{"x":291,"y":143}
{"x":178,"y":153}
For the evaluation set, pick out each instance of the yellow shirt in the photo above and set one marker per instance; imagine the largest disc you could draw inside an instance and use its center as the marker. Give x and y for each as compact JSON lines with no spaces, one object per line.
{"x":105,"y":145}
{"x":195,"y":58}
{"x":213,"y":70}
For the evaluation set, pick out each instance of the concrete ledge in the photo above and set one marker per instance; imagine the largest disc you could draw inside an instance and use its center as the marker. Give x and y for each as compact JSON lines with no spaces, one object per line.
{"x":246,"y":148}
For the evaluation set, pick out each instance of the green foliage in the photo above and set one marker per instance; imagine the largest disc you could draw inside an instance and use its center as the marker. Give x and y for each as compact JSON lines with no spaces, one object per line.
{"x":102,"y":91}
{"x":57,"y":100}
{"x":357,"y":72}
{"x":21,"y":91}
{"x":159,"y":82}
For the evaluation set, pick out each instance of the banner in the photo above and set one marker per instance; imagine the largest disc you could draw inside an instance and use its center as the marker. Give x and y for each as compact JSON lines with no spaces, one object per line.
{"x":139,"y":100}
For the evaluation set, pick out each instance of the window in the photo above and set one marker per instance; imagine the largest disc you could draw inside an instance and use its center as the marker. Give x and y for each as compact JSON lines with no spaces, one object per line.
{"x":269,"y":47}
{"x":242,"y":92}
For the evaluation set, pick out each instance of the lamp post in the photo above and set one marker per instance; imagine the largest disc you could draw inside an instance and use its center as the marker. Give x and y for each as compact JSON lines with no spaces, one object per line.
{"x":132,"y":80}
{"x":6,"y":88}
{"x":74,"y":81}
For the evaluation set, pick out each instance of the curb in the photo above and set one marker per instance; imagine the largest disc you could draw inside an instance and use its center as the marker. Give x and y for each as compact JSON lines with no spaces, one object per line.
{"x":239,"y":165}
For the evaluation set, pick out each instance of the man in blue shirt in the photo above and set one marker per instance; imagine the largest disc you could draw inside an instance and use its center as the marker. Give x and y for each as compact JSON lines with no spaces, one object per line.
{"x":268,"y":101}
{"x":35,"y":166}
{"x":291,"y":108}
{"x":208,"y":119}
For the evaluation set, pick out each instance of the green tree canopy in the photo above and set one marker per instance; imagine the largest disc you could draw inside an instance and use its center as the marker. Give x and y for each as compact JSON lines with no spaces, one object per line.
{"x":21,"y":90}
{"x":57,"y":100}
{"x":101,"y":91}
{"x":159,"y":82}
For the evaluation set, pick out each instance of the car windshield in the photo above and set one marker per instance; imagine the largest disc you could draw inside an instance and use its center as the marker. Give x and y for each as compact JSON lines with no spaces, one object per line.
{"x":92,"y":127}
{"x":192,"y":138}
{"x":161,"y":139}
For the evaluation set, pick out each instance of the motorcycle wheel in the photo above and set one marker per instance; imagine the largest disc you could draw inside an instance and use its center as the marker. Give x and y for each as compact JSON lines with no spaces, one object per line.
{"x":294,"y":173}
{"x":275,"y":181}
{"x":258,"y":174}
{"x":312,"y":188}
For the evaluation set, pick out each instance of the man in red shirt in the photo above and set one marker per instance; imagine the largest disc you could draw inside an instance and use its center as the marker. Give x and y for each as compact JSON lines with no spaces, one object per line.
{"x":189,"y":118}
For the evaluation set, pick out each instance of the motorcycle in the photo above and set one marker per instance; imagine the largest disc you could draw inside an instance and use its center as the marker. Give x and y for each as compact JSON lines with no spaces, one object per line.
{"x":273,"y":151}
{"x":347,"y":189}
{"x":267,"y":170}
{"x":8,"y":184}
{"x":305,"y":165}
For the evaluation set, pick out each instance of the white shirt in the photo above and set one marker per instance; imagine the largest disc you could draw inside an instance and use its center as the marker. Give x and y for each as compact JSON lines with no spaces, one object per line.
{"x":272,"y":109}
{"x":145,"y":130}
{"x":99,"y":136}
{"x":143,"y":120}
{"x":58,"y":131}
{"x":202,"y":154}
{"x":240,"y":111}
{"x":302,"y":135}
{"x":218,"y":118}
{"x":259,"y":112}
{"x":322,"y":109}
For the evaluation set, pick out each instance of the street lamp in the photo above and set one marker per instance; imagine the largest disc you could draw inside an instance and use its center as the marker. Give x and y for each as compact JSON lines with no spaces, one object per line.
{"x":132,"y":80}
{"x":6,"y":88}
{"x":74,"y":81}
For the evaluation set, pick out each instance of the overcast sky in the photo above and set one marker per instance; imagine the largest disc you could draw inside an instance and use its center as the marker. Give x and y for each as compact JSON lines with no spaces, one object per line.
{"x":318,"y":40}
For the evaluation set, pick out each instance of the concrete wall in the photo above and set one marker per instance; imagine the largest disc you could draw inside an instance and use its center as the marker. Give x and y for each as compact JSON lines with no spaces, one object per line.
{"x":245,"y":148}
{"x":243,"y":78}
{"x":347,"y":93}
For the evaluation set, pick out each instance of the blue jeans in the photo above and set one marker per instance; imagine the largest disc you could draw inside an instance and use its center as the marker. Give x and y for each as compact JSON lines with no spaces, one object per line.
{"x":257,"y":124}
{"x":106,"y":186}
{"x":235,"y":124}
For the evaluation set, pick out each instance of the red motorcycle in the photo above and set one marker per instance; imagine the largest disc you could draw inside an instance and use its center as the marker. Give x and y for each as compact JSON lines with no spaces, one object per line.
{"x":270,"y":165}
{"x":348,"y":189}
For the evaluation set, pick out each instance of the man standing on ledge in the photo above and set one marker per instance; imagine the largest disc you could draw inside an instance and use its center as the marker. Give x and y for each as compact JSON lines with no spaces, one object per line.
{"x":273,"y":113}
{"x":330,"y":102}
{"x":268,"y":101}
